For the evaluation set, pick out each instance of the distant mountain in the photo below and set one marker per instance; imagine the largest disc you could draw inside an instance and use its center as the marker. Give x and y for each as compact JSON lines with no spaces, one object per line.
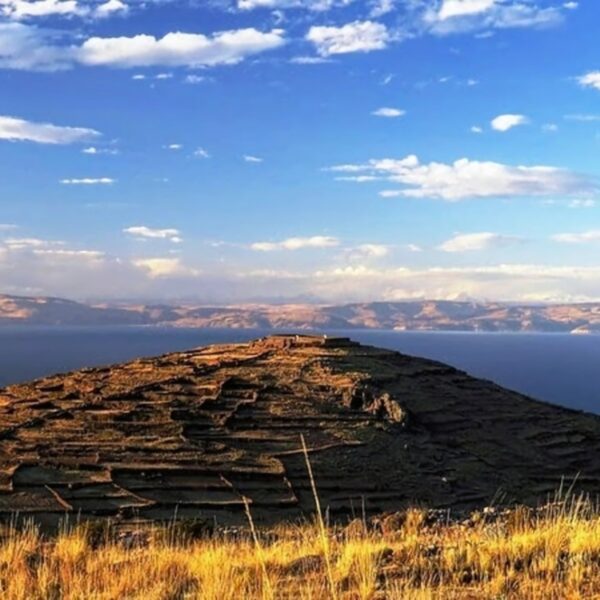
{"x":15,"y":310}
{"x":422,"y":315}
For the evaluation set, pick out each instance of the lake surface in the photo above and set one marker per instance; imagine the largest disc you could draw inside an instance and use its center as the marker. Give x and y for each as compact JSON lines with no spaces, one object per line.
{"x":559,"y":368}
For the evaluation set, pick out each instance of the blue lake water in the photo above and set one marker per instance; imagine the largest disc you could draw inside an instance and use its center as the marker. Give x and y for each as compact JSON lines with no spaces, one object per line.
{"x":558,"y":368}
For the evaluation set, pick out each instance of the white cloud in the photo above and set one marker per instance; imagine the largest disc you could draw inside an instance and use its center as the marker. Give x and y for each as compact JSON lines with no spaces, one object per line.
{"x":309,"y":60}
{"x":201,"y":153}
{"x":591,"y":79}
{"x":31,"y":9}
{"x":373,"y":250}
{"x":143,"y":232}
{"x":174,"y":147}
{"x":509,"y":282}
{"x":508,"y":121}
{"x":178,"y":49}
{"x":27,"y":47}
{"x":476,"y":129}
{"x":110,"y":7}
{"x":467,"y":178}
{"x":460,"y":16}
{"x":15,"y":129}
{"x":359,"y":36}
{"x":387,"y":112}
{"x":158,"y":268}
{"x":63,"y":271}
{"x":30,"y":243}
{"x":583,"y":118}
{"x":315,"y":5}
{"x":379,"y":8}
{"x":252,"y":159}
{"x":469,"y":242}
{"x":88,"y":181}
{"x":93,"y":150}
{"x":20,"y":9}
{"x":460,"y":8}
{"x":296,"y":243}
{"x":550,"y":127}
{"x":359,"y":178}
{"x":582,"y":203}
{"x":578,"y":238}
{"x":7,"y":226}
{"x":194,"y":79}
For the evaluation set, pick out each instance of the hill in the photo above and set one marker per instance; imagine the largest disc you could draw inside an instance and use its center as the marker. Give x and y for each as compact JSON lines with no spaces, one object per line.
{"x":190,"y":434}
{"x":421,"y":315}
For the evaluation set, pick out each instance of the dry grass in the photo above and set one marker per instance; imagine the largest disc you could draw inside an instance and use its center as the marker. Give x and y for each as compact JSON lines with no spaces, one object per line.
{"x":550,"y":554}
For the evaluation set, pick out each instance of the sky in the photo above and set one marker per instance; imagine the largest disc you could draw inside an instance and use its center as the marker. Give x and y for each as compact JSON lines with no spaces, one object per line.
{"x":234,"y":151}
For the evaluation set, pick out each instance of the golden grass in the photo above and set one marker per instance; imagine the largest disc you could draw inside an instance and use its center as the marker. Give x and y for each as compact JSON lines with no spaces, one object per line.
{"x":548,"y":554}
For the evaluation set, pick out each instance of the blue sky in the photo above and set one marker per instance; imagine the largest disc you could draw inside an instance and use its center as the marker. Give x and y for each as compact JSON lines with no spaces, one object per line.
{"x":288,"y":150}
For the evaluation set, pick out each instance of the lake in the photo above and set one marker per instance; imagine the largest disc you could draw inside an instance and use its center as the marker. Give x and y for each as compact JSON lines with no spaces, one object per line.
{"x":558,"y":368}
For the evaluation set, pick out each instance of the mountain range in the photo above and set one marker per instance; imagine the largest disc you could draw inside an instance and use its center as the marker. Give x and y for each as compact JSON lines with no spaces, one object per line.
{"x":417,"y":315}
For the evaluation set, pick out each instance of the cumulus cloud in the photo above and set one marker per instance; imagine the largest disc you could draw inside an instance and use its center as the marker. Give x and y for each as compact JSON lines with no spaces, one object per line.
{"x":94,"y":150}
{"x":88,"y":181}
{"x":309,"y":60}
{"x":583,"y":118}
{"x":387,"y":112}
{"x":66,"y":271}
{"x":143,"y":232}
{"x":508,"y":121}
{"x":19,"y":130}
{"x":178,"y":49}
{"x":110,"y":8}
{"x":20,"y":9}
{"x":591,"y":79}
{"x":509,"y":282}
{"x":469,"y":242}
{"x":373,"y":250}
{"x":582,"y":203}
{"x":461,"y":8}
{"x":359,"y":36}
{"x":32,"y":9}
{"x":467,"y":178}
{"x":158,"y":268}
{"x":584,"y":237}
{"x":252,"y":159}
{"x":314,"y":5}
{"x":30,"y":243}
{"x":460,"y":16}
{"x":194,"y":79}
{"x":26,"y":47}
{"x":296,"y":243}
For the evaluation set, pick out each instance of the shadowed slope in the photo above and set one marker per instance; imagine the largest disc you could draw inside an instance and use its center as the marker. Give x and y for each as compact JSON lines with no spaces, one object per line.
{"x":192,"y":433}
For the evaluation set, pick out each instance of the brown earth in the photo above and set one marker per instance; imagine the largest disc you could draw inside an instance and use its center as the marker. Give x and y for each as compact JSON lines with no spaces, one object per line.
{"x":188,"y":435}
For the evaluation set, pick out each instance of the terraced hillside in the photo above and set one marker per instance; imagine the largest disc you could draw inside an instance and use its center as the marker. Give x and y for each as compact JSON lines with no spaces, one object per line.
{"x":191,"y":434}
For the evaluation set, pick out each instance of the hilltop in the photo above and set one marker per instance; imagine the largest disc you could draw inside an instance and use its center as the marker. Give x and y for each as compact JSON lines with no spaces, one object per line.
{"x":421,"y":315}
{"x":190,"y":434}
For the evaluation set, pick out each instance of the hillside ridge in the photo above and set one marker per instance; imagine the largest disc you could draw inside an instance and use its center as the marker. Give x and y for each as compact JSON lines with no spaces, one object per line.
{"x":191,"y":434}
